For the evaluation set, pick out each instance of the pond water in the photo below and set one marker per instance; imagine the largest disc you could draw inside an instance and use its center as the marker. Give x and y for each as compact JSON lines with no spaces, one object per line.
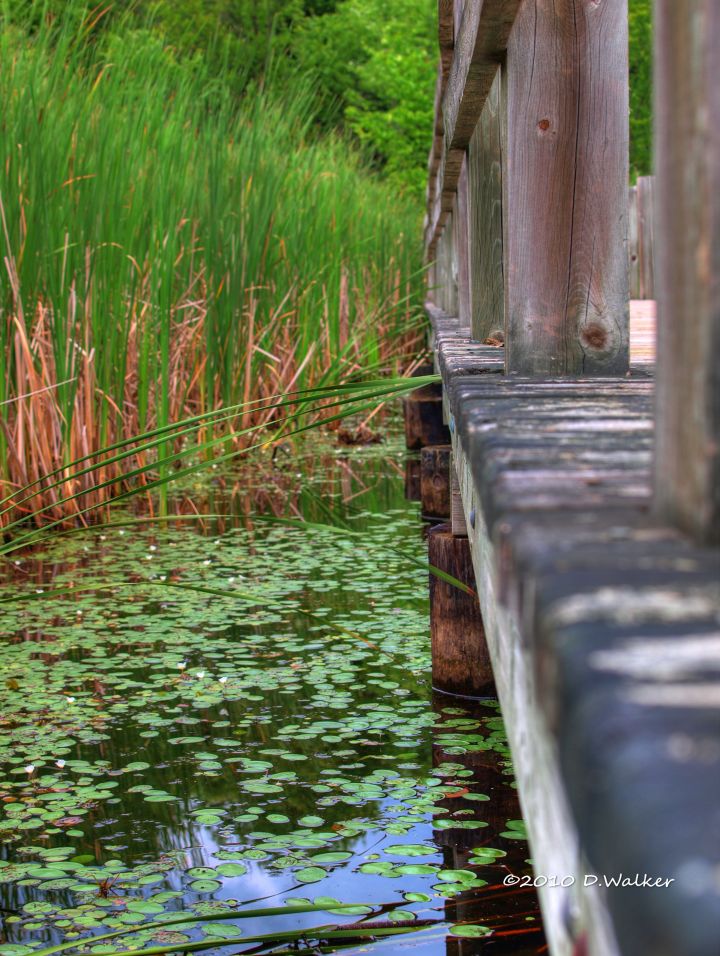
{"x":244,"y":716}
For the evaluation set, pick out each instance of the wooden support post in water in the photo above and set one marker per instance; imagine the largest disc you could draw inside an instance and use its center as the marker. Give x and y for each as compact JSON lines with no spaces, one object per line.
{"x":424,"y":418}
{"x":435,"y":481}
{"x":460,"y":658}
{"x":687,"y":150}
{"x":565,"y":193}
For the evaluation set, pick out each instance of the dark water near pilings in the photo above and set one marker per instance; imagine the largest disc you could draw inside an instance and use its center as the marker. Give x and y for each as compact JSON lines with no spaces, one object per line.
{"x":272,"y":736}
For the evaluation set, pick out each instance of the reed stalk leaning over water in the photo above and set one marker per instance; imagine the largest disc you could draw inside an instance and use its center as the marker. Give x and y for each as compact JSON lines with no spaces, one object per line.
{"x":167,"y":250}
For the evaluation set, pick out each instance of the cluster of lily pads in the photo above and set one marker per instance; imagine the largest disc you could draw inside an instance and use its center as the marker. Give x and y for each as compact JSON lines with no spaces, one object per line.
{"x":167,"y":748}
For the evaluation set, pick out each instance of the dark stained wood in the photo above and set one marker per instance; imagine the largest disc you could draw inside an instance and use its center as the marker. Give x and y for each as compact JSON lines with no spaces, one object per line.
{"x":424,"y":418}
{"x":435,"y":481}
{"x":565,"y":211}
{"x":460,"y":658}
{"x":446,"y":34}
{"x":487,"y":297}
{"x":412,"y":478}
{"x":687,"y":465}
{"x":460,"y":224}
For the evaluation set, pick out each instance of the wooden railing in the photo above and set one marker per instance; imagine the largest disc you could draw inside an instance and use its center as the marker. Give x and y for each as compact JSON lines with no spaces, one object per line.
{"x":528,"y":217}
{"x":590,"y":493}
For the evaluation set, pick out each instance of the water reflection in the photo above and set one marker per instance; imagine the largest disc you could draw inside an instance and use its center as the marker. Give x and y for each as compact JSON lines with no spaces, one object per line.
{"x":298,"y":741}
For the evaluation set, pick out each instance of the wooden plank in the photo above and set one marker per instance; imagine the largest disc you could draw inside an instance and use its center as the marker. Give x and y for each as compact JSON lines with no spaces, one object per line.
{"x":646,"y":235}
{"x":642,"y":331}
{"x":460,"y":223}
{"x":687,"y":149}
{"x":479,"y":48}
{"x":633,"y":240}
{"x":566,"y":274}
{"x":487,"y":297}
{"x":553,"y":835}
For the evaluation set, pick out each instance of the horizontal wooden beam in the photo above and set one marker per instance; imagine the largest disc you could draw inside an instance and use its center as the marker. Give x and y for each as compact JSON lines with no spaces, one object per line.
{"x":479,"y":48}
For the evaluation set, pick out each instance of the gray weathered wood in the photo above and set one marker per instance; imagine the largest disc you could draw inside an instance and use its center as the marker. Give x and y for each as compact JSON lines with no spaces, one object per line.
{"x":461,"y":226}
{"x":479,"y":47}
{"x":485,"y":219}
{"x":458,"y":10}
{"x":633,"y":240}
{"x":447,"y":270}
{"x":646,"y":235}
{"x":566,"y":275}
{"x":458,"y":523}
{"x":687,"y":148}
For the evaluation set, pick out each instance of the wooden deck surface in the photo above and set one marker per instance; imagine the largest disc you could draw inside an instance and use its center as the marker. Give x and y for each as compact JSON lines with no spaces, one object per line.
{"x":601,"y":623}
{"x":643,"y":313}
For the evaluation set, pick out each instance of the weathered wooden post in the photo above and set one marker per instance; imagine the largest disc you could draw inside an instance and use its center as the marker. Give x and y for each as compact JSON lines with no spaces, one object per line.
{"x":435,"y":481}
{"x":687,"y":149}
{"x":460,"y":658}
{"x":633,"y":243}
{"x":565,"y":193}
{"x":646,"y":235}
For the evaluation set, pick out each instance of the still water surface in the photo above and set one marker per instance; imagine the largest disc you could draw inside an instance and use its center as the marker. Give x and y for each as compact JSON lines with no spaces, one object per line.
{"x":270,"y":737}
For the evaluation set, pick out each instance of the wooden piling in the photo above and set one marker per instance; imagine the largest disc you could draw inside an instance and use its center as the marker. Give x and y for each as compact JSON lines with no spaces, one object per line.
{"x":412,"y":479}
{"x":424,"y":418}
{"x":460,"y":658}
{"x":435,"y":481}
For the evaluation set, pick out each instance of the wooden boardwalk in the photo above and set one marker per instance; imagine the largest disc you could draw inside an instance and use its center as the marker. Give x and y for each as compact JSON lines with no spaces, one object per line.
{"x":643,"y":332}
{"x":586,"y":458}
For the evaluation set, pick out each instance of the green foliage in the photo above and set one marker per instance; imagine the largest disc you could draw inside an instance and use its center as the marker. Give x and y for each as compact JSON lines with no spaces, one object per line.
{"x":172,"y":248}
{"x":376,"y":61}
{"x":640,"y":88}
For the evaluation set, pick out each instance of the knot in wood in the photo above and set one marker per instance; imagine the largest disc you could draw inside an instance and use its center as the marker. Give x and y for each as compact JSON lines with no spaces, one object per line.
{"x":544,"y":125}
{"x":594,"y":336}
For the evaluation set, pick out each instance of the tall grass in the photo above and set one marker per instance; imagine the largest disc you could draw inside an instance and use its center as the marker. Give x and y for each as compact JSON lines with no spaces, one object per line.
{"x":167,"y":250}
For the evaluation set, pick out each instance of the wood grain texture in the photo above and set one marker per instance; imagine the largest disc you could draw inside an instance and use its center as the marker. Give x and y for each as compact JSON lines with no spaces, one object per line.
{"x":460,"y":658}
{"x":459,"y":9}
{"x":462,"y":247}
{"x":646,"y":235}
{"x":633,"y":239}
{"x":435,"y":481}
{"x":687,"y":464}
{"x":566,"y":274}
{"x":487,"y":296}
{"x":446,"y":259}
{"x":480,"y":46}
{"x":446,"y":35}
